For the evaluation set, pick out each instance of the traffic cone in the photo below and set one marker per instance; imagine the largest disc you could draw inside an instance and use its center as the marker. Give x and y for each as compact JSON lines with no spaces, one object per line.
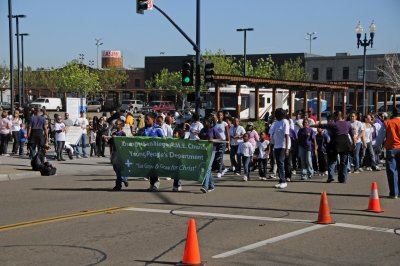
{"x":324,"y":216}
{"x":191,"y":255}
{"x":374,"y":205}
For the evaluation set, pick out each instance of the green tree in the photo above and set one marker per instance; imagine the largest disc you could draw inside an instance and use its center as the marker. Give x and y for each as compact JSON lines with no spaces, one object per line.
{"x":112,"y":78}
{"x":292,"y":70}
{"x":223,"y":64}
{"x":76,"y":78}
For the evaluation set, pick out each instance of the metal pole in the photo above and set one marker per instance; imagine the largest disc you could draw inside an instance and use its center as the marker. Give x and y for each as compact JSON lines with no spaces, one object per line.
{"x":197,"y":84}
{"x":10,"y":36}
{"x":18,"y":62}
{"x":22,"y":72}
{"x":364,"y":73}
{"x":310,"y":44}
{"x":244,"y":52}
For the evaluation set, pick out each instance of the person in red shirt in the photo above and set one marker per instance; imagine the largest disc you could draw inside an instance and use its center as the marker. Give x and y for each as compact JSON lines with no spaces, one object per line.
{"x":311,"y":115}
{"x":392,"y":146}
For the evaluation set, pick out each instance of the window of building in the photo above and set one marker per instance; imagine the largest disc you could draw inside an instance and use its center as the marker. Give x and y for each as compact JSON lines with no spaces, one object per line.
{"x":346,"y":72}
{"x":329,"y":73}
{"x":315,"y":73}
{"x":360,"y":73}
{"x":137,"y":83}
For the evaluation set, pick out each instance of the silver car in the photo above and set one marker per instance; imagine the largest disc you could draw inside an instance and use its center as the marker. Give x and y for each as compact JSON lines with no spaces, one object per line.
{"x":5,"y":106}
{"x":93,"y":106}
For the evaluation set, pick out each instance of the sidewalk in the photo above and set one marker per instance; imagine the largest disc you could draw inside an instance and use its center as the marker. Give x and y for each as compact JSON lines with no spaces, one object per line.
{"x":14,"y":168}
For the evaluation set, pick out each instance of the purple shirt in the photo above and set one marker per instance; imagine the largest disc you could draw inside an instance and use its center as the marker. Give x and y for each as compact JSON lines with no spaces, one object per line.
{"x":306,"y":137}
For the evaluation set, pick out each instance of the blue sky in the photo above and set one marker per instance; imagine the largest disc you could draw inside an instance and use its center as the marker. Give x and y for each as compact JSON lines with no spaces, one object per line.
{"x":61,"y":30}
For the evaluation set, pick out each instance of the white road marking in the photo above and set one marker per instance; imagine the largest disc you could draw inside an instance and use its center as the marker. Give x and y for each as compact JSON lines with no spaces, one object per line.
{"x":262,"y":218}
{"x":268,"y":241}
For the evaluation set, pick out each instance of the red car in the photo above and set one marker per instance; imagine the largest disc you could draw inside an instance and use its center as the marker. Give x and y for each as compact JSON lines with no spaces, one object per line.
{"x":163,"y":106}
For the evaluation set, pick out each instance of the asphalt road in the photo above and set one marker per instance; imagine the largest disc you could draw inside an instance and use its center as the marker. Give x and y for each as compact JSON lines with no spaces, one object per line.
{"x":74,"y":218}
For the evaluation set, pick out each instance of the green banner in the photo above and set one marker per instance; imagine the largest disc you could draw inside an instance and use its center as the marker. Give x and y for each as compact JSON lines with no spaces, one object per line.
{"x":166,"y":157}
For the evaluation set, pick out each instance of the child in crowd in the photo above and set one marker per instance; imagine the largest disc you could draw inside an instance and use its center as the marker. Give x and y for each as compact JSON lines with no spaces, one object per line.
{"x":246,"y":151}
{"x":322,"y":139}
{"x":92,"y":140}
{"x":262,"y":146}
{"x":23,"y":137}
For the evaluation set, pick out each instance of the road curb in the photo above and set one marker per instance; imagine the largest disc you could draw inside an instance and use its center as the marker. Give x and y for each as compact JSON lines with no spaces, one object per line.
{"x":18,"y":176}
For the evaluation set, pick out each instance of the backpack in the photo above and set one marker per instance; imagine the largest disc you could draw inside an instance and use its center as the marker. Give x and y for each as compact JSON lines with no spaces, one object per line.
{"x":48,"y":169}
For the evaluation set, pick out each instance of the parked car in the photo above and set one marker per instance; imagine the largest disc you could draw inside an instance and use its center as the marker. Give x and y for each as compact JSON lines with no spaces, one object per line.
{"x":93,"y":106}
{"x":136,"y":105}
{"x":5,"y":106}
{"x":154,"y":106}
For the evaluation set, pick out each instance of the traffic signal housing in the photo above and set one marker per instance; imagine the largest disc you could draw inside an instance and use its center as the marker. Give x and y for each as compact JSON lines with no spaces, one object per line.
{"x":141,"y":5}
{"x":208,"y":72}
{"x":187,"y":73}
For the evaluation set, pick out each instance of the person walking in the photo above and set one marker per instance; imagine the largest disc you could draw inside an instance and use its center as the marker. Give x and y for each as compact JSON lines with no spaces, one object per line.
{"x":280,"y":135}
{"x":236,"y":133}
{"x":246,"y":151}
{"x":15,"y":128}
{"x":358,"y":129}
{"x":83,"y":123}
{"x":5,"y":126}
{"x":59,"y":129}
{"x":392,"y":146}
{"x":223,"y":130}
{"x":307,"y":146}
{"x":37,"y":132}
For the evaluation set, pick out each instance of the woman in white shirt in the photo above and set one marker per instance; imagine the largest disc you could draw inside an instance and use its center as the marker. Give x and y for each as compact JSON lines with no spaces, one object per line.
{"x":369,"y":158}
{"x":15,"y":128}
{"x":59,"y":128}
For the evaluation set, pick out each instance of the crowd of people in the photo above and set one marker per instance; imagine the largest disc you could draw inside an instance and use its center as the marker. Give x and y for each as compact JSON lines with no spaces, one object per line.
{"x":280,"y":147}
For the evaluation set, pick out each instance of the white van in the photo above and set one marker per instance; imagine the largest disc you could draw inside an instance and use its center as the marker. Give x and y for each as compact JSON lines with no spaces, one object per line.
{"x":135,"y":104}
{"x":48,"y":103}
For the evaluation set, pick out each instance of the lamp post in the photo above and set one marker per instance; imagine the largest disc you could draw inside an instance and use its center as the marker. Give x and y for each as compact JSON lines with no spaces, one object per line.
{"x":310,"y":37}
{"x":365,"y":43}
{"x":98,"y":43}
{"x":244,"y":48}
{"x":81,"y":58}
{"x":22,"y":68}
{"x":17,"y":17}
{"x":10,"y":38}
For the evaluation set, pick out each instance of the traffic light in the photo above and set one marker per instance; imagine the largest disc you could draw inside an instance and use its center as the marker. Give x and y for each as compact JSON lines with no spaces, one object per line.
{"x":187,"y":73}
{"x":141,"y":5}
{"x":208,"y":72}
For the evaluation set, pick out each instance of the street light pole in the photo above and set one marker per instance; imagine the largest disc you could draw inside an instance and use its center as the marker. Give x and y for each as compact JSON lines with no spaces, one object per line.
{"x":98,"y":43}
{"x":17,"y":17}
{"x":310,"y":37}
{"x":10,"y":37}
{"x":365,"y":43}
{"x":244,"y":47}
{"x":22,"y":66}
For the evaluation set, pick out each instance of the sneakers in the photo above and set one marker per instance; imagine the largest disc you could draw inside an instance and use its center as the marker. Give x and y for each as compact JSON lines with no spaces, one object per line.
{"x":368,"y":169}
{"x":224,"y":171}
{"x":126,"y":183}
{"x":117,"y":188}
{"x":78,"y":156}
{"x":293,"y":172}
{"x":288,"y":180}
{"x":262,"y":178}
{"x":377,"y":168}
{"x":245,"y":178}
{"x":84,"y":156}
{"x":330,"y":180}
{"x":176,"y":189}
{"x":237,"y":173}
{"x":360,"y":169}
{"x":304,"y":178}
{"x":281,"y":185}
{"x":272,"y":176}
{"x":356,"y":171}
{"x":204,"y":190}
{"x":392,"y":197}
{"x":219,"y":175}
{"x":154,"y":188}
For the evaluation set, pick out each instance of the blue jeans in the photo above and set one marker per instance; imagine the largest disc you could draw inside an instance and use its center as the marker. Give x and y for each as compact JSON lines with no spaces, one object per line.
{"x":246,"y":165}
{"x":393,"y":171}
{"x":306,"y":162}
{"x":208,"y":182}
{"x":81,"y":143}
{"x":332,"y":163}
{"x":279,"y":155}
{"x":234,"y":156}
{"x":356,"y":156}
{"x":219,"y":156}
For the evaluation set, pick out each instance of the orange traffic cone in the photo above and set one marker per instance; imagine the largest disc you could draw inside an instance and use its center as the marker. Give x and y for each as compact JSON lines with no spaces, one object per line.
{"x":191,"y":255}
{"x":324,"y":216}
{"x":374,"y":205}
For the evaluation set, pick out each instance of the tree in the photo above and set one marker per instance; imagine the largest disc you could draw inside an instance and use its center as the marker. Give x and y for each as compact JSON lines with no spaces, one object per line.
{"x":112,"y":78}
{"x":292,"y":70}
{"x":76,"y":78}
{"x":390,"y":71}
{"x":223,"y":64}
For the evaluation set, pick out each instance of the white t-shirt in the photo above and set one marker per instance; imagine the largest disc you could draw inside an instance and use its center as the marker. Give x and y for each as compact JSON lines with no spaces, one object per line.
{"x":246,"y":149}
{"x":59,"y":136}
{"x":262,"y":147}
{"x":195,"y":126}
{"x":368,"y":134}
{"x":16,"y":124}
{"x":168,"y":132}
{"x":278,"y":132}
{"x":83,"y":123}
{"x":357,"y":128}
{"x":238,"y":132}
{"x":221,"y":129}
